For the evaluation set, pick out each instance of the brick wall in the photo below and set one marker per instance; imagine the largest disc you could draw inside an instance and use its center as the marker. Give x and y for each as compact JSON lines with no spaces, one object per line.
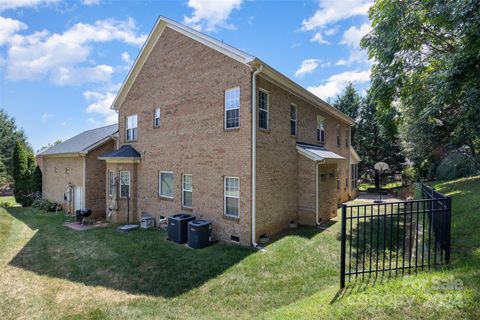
{"x":55,"y":178}
{"x":95,"y":180}
{"x":279,"y":165}
{"x":187,"y":81}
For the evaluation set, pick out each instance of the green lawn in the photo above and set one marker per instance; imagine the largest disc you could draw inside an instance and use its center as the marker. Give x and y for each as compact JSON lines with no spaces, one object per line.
{"x":50,"y":272}
{"x":365,"y":186}
{"x":8,"y":200}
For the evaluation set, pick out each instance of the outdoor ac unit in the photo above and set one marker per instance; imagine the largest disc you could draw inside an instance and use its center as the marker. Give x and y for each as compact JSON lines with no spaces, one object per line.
{"x":147,"y":222}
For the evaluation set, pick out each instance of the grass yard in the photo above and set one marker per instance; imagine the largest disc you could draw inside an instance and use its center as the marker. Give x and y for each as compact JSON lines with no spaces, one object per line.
{"x":8,"y":201}
{"x":50,"y":272}
{"x":365,"y":186}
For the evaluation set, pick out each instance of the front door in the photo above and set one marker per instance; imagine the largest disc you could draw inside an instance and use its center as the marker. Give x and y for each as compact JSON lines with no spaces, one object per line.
{"x":78,"y":198}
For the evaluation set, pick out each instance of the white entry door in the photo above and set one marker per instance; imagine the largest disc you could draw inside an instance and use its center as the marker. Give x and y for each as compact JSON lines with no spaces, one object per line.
{"x":78,"y":198}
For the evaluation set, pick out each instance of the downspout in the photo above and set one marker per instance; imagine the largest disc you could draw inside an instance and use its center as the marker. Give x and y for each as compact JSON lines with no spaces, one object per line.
{"x":254,"y":151}
{"x":316,"y":193}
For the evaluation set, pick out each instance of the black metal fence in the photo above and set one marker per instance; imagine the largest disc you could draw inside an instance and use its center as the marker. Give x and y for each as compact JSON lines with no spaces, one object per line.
{"x":395,"y":237}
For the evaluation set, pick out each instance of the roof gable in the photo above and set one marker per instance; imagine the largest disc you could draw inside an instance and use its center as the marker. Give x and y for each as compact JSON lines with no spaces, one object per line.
{"x":152,"y":40}
{"x":268,"y":72}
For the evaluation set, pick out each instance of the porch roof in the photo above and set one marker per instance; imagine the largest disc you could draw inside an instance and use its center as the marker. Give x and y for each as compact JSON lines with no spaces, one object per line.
{"x":317,"y":153}
{"x":126,"y":152}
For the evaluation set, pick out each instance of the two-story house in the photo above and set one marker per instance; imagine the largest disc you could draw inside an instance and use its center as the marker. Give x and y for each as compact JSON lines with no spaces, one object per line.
{"x":208,"y":129}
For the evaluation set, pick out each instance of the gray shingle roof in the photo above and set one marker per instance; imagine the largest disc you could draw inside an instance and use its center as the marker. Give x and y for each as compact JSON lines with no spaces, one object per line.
{"x":125,"y":151}
{"x":82,"y":142}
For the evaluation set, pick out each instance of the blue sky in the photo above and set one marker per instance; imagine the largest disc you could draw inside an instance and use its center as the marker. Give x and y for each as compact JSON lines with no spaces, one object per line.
{"x":62,"y":62}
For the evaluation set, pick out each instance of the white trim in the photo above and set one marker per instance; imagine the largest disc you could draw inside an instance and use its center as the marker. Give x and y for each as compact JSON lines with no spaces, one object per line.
{"x":320,"y":126}
{"x":133,"y":128}
{"x":129,"y":183}
{"x":225,"y":197}
{"x":315,"y":157}
{"x":274,"y":76}
{"x":152,"y":40}
{"x":185,"y":190}
{"x":296,"y":120}
{"x":266,"y":110}
{"x":108,"y":181}
{"x":160,"y":184}
{"x":225,"y":107}
{"x":119,"y":159}
{"x":84,"y":181}
{"x":155,"y":117}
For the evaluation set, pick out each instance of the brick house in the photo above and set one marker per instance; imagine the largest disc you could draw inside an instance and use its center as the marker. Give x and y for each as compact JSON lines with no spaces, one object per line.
{"x":188,"y":143}
{"x":72,"y":174}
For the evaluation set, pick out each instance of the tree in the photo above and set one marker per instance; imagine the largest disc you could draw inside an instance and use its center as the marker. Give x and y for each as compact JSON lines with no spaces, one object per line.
{"x":427,"y":66}
{"x":37,"y":180}
{"x":377,"y":138}
{"x":349,"y":101}
{"x":23,"y":164}
{"x":20,"y":162}
{"x":9,"y":136}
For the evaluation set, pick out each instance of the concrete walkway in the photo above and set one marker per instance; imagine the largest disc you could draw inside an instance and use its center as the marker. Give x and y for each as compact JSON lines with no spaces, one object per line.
{"x":365,"y":198}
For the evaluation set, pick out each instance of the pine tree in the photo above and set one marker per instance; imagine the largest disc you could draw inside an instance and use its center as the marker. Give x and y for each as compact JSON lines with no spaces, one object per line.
{"x":349,"y":102}
{"x":37,"y":180}
{"x":21,"y":174}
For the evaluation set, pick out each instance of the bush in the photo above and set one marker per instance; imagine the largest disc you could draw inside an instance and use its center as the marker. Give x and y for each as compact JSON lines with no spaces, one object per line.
{"x":43,"y":204}
{"x":456,"y":165}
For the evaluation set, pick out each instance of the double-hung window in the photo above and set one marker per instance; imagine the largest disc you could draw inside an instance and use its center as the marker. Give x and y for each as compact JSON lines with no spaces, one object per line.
{"x":320,"y":129}
{"x":293,"y":120}
{"x":187,"y":190}
{"x":232,"y":196}
{"x":111,"y":182}
{"x":131,"y":131}
{"x":263,"y":109}
{"x":156,"y":117}
{"x":232,"y":108}
{"x":166,"y":184}
{"x":338,"y":135}
{"x":125,"y":184}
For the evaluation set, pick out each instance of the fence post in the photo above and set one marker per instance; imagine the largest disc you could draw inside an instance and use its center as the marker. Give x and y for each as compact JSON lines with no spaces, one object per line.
{"x":448,"y":228}
{"x":343,"y":237}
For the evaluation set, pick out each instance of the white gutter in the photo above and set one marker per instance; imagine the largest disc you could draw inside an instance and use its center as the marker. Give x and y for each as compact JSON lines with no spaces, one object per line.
{"x":254,"y":151}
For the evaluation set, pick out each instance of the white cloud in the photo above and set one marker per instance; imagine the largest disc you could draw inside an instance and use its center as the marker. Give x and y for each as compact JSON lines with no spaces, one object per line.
{"x":126,"y":58}
{"x":63,"y":123}
{"x":337,"y":82}
{"x":15,"y":4}
{"x":8,"y":27}
{"x":317,"y":37}
{"x":76,"y":76}
{"x":307,"y":66}
{"x":351,"y":37}
{"x":91,"y":2}
{"x":62,"y":57}
{"x":208,"y":15}
{"x":47,"y":116}
{"x":331,"y":11}
{"x":331,"y":31}
{"x":100,"y":103}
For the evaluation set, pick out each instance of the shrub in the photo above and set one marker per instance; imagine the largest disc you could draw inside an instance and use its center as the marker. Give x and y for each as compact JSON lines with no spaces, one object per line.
{"x":456,"y":165}
{"x":43,"y":204}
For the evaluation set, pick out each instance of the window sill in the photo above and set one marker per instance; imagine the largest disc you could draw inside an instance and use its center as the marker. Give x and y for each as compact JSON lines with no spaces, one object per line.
{"x":186,"y":208}
{"x":128,"y":141}
{"x":231,"y":218}
{"x":294,"y":136}
{"x":231,"y":129}
{"x":165,"y":198}
{"x":264,"y":130}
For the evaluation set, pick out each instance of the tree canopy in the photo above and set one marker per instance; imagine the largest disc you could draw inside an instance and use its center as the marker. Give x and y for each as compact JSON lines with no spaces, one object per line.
{"x":9,"y":136}
{"x":427,"y":67}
